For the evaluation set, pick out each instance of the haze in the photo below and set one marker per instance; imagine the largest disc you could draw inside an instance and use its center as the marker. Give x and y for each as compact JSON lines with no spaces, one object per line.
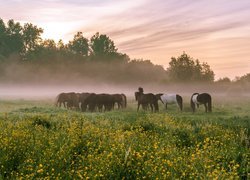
{"x":215,"y":31}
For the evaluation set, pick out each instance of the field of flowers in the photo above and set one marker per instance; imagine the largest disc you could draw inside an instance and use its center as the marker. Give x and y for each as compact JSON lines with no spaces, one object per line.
{"x":38,"y":140}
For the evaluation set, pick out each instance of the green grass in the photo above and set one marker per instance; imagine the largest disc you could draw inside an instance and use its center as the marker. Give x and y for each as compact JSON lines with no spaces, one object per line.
{"x":38,"y":140}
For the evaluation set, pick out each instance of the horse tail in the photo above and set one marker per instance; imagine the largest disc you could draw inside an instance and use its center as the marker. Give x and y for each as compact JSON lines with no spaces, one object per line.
{"x":124,"y":98}
{"x":180,"y":101}
{"x":210,"y":104}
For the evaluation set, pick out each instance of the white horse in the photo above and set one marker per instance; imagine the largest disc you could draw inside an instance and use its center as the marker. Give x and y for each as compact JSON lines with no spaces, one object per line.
{"x":170,"y":99}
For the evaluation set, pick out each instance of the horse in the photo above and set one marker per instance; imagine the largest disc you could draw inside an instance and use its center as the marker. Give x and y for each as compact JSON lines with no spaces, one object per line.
{"x":82,"y":97}
{"x":98,"y":101}
{"x":145,"y":100}
{"x":120,"y":99}
{"x":69,"y":100}
{"x":170,"y":99}
{"x":203,"y":98}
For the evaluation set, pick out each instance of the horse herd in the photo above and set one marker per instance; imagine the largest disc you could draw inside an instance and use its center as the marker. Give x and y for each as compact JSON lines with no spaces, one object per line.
{"x":91,"y":101}
{"x":106,"y":102}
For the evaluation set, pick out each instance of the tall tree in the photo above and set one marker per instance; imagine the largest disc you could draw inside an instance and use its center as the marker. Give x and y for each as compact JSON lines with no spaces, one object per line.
{"x":102,"y":45}
{"x":14,"y":39}
{"x":2,"y":38}
{"x":60,"y":45}
{"x":206,"y":73}
{"x":31,"y":36}
{"x":79,"y":45}
{"x":184,"y":68}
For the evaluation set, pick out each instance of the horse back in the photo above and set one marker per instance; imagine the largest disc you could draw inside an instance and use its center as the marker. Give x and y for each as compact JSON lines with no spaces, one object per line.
{"x":169,"y":98}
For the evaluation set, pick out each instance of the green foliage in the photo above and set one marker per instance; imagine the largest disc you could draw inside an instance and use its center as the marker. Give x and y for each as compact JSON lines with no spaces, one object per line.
{"x":79,"y":45}
{"x":47,"y":142}
{"x":17,"y":39}
{"x":224,"y":80}
{"x":53,"y":59}
{"x":39,"y":121}
{"x":184,"y":68}
{"x":31,"y":36}
{"x":102,"y":45}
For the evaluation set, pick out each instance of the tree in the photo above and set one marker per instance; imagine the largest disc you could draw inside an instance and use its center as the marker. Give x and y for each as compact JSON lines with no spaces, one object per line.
{"x":206,"y":73}
{"x":224,"y":80}
{"x":31,"y":36}
{"x":60,"y":45}
{"x":2,"y":38}
{"x":102,"y":45}
{"x":79,"y":45}
{"x":49,"y":44}
{"x":184,"y":68}
{"x":13,"y":41}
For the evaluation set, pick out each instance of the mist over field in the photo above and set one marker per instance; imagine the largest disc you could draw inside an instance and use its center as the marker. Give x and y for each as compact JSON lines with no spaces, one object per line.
{"x":46,"y":81}
{"x":27,"y":80}
{"x":50,"y":91}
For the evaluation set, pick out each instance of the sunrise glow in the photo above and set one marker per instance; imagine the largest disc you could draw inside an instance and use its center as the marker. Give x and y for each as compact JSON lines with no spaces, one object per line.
{"x":215,"y":31}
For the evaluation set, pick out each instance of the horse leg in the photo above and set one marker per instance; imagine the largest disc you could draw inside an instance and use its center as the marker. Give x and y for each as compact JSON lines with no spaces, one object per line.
{"x":193,"y":105}
{"x":138,"y":106}
{"x":145,"y":106}
{"x":205,"y":107}
{"x":166,"y":106}
{"x":151,"y":106}
{"x":156,"y":107}
{"x":181,"y":106}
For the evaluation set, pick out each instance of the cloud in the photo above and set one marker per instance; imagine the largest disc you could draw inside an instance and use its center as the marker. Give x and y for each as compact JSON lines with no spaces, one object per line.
{"x":155,"y":30}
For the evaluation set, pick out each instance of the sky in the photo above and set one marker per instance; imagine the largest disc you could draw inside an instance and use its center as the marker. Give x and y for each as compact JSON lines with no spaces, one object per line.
{"x":213,"y":31}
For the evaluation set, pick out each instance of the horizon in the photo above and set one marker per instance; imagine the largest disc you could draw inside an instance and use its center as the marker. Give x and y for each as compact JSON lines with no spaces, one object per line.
{"x":215,"y":32}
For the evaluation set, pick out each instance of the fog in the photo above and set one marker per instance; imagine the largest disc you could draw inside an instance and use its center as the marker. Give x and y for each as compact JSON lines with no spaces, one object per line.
{"x":49,"y":91}
{"x":45,"y":79}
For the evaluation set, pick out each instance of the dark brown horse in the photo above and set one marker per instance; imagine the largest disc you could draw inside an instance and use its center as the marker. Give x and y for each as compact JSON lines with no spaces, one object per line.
{"x":145,"y":100}
{"x":69,"y":100}
{"x":100,"y":102}
{"x":203,"y":98}
{"x":120,"y":100}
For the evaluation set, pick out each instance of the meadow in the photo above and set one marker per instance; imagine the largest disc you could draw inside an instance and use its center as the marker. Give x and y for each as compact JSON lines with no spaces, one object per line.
{"x":38,"y":140}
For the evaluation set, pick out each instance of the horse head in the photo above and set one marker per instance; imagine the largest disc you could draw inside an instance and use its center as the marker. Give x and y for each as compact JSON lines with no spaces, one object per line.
{"x":140,"y":89}
{"x":158,"y":97}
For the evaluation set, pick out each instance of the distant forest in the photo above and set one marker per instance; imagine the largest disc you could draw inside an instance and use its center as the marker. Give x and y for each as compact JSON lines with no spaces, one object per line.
{"x":26,"y":57}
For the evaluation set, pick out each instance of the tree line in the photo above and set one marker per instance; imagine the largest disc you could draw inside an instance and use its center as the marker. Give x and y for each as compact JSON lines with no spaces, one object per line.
{"x":22,"y":50}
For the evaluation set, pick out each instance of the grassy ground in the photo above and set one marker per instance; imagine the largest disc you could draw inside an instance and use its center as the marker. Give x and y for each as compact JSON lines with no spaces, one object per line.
{"x":38,"y":140}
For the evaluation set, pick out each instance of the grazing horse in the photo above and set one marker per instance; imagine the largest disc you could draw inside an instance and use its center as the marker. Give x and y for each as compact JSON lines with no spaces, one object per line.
{"x":170,"y":99}
{"x":204,"y":98}
{"x":69,"y":100}
{"x":145,"y":100}
{"x":120,"y":99}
